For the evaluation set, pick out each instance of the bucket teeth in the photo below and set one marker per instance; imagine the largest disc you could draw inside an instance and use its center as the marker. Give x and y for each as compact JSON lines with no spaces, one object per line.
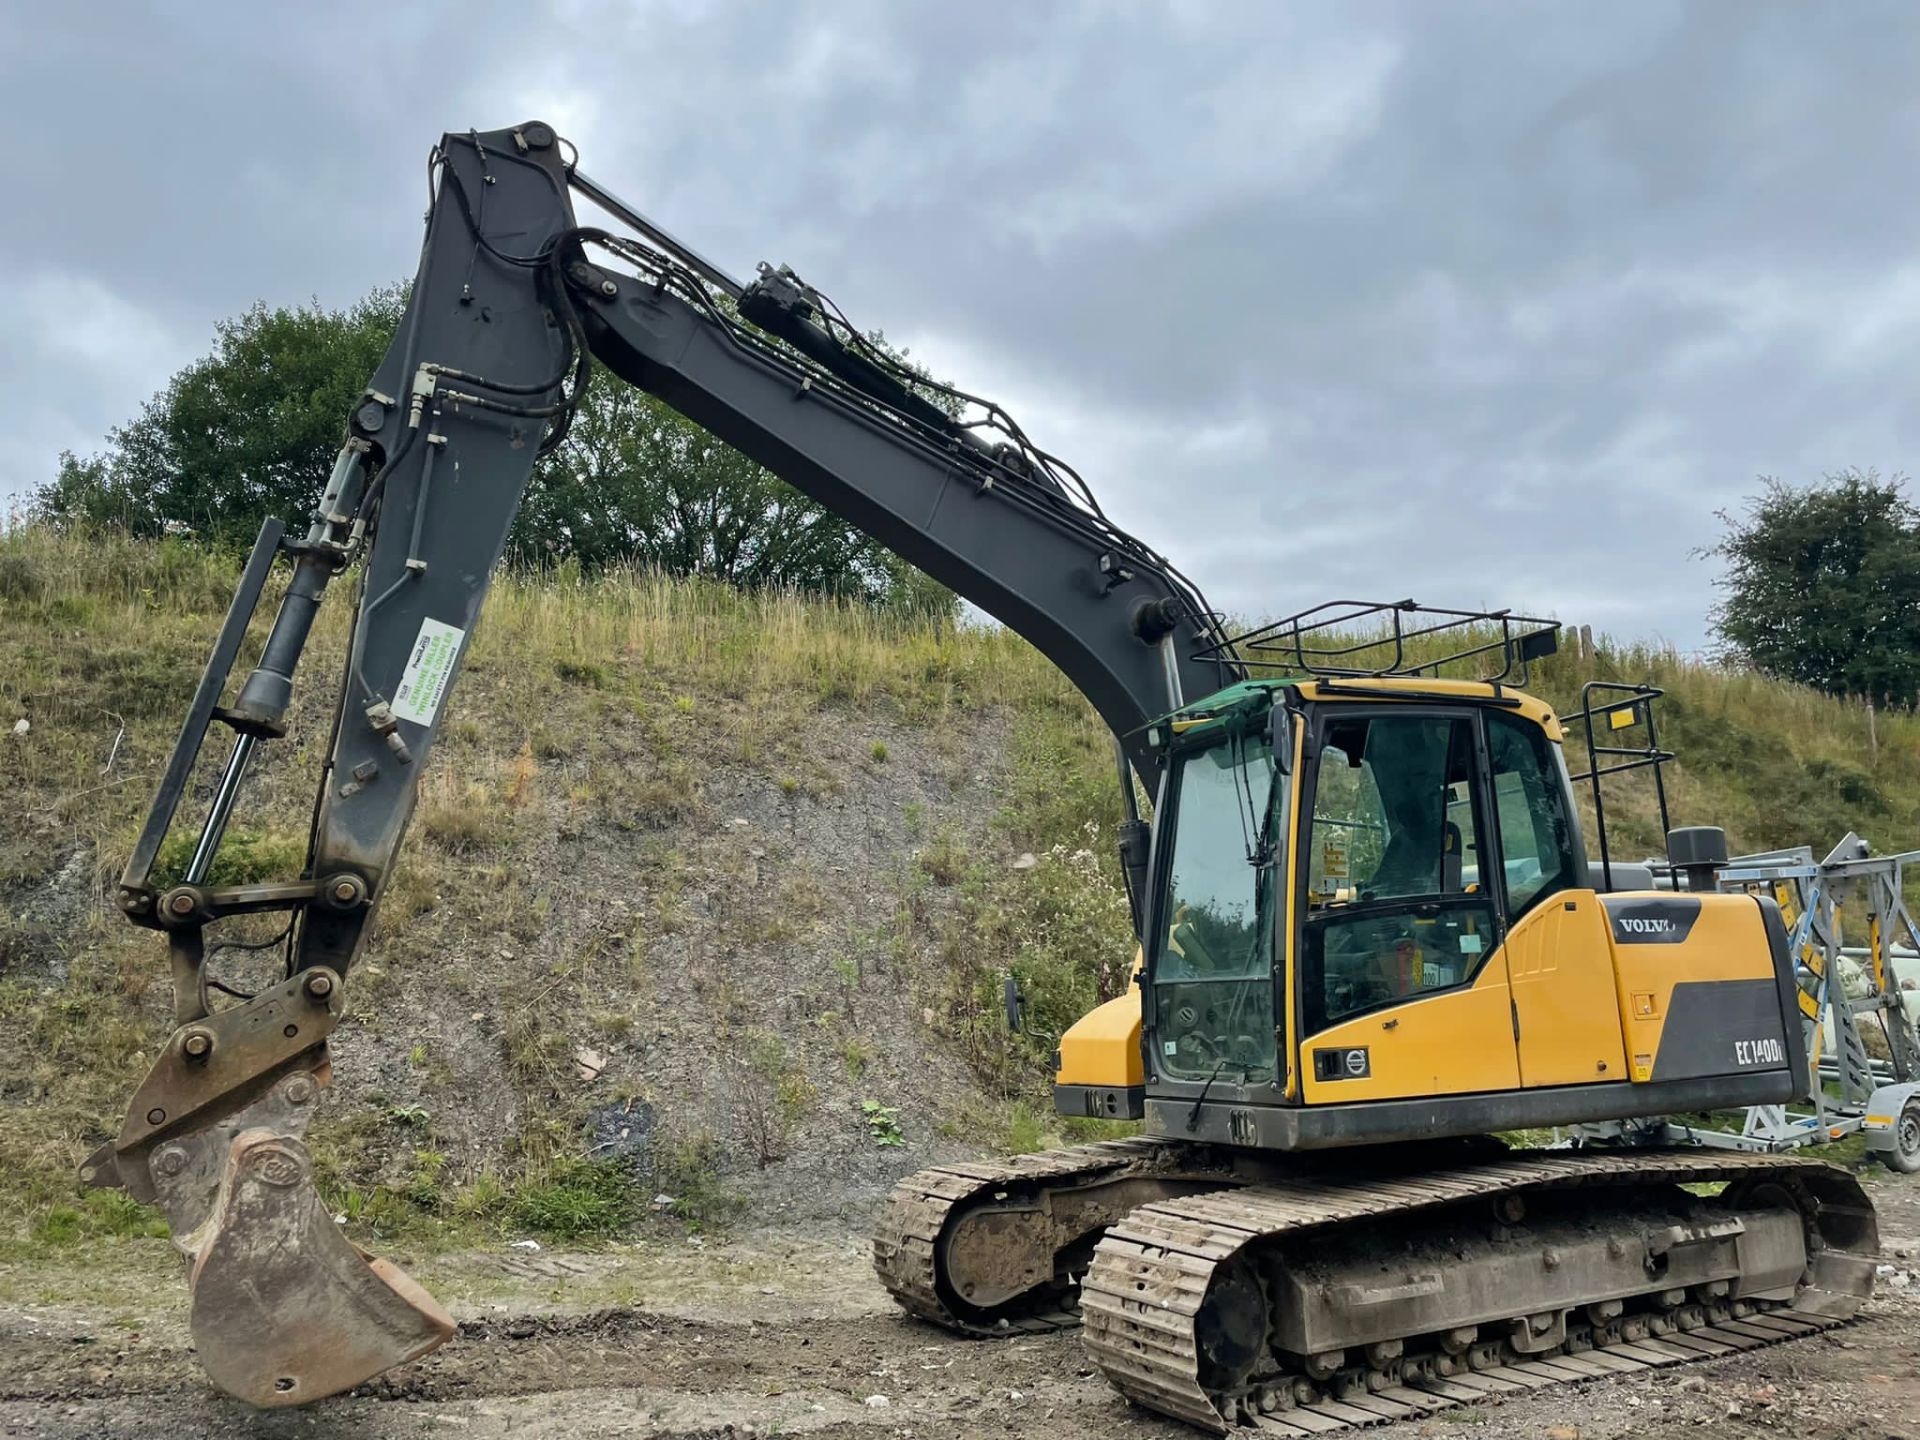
{"x":285,"y":1308}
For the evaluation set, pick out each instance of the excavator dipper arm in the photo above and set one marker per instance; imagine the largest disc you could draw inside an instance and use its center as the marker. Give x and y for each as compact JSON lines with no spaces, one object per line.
{"x":511,"y":304}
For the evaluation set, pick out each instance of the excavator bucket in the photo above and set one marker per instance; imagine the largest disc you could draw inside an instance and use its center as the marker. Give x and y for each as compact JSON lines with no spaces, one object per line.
{"x":285,"y":1308}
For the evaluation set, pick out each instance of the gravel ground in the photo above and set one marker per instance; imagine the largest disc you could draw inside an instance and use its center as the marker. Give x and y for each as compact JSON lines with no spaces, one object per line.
{"x":781,"y":1334}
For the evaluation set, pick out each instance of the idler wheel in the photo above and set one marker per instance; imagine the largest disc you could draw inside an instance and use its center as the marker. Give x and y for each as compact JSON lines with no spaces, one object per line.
{"x":1231,"y":1328}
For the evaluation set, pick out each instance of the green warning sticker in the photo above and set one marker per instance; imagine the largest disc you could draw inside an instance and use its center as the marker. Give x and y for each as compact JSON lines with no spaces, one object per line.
{"x":429,"y":668}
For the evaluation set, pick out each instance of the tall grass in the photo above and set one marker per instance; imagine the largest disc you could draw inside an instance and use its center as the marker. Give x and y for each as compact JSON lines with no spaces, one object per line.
{"x":754,"y":642}
{"x":102,"y":631}
{"x":1772,"y":762}
{"x":113,"y":587}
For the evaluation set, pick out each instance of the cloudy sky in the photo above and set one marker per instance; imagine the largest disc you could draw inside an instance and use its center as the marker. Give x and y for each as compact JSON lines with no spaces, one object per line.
{"x":1487,"y":304}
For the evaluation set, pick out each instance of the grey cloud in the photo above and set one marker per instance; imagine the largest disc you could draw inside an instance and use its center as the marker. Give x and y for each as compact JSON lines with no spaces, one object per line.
{"x":1486,"y":303}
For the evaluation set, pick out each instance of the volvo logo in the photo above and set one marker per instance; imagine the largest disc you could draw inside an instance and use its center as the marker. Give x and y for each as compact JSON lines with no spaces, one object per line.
{"x":1650,"y":919}
{"x":1342,"y":1064}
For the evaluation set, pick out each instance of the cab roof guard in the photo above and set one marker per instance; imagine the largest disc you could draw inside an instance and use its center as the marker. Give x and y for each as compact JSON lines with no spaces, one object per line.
{"x":1350,"y":639}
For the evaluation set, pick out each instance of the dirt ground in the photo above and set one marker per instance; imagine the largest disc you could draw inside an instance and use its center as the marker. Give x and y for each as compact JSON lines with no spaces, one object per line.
{"x":781,"y":1335}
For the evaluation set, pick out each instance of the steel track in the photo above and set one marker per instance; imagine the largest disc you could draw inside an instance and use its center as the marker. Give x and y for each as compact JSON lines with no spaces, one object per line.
{"x":907,"y":1238}
{"x":1143,"y":1296}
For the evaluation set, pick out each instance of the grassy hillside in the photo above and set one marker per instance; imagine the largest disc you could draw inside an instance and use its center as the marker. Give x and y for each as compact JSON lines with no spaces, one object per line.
{"x":1774,"y":763}
{"x":752,"y":858}
{"x":708,"y":896}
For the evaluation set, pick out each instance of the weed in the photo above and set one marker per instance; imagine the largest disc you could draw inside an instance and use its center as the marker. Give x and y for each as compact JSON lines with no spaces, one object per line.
{"x":485,"y":1199}
{"x":1527,"y":1139}
{"x":856,"y":1055}
{"x":879,"y":752}
{"x":772,"y":1093}
{"x":462,"y":816}
{"x":846,"y":967}
{"x":687,"y":1169}
{"x":1084,"y":1129}
{"x":422,"y":1187}
{"x":1026,"y":1130}
{"x":578,"y":1198}
{"x":535,"y":1052}
{"x":883,"y":1123}
{"x":521,"y":778}
{"x":98,"y":1213}
{"x":945,"y":860}
{"x":245,"y":857}
{"x":614,"y":1024}
{"x":1062,"y":928}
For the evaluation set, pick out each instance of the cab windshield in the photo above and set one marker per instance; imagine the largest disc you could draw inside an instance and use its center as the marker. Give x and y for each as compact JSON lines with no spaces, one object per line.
{"x":1213,"y":967}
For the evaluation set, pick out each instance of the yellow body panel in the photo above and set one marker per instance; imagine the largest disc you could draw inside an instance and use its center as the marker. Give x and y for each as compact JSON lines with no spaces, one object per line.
{"x":1102,"y":1047}
{"x":1451,"y":1043}
{"x":1589,"y":1011}
{"x":1728,"y":941}
{"x":1559,"y":961}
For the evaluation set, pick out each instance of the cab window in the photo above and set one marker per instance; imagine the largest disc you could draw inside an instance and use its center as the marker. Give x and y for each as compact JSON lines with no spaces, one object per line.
{"x":1212,"y":904}
{"x":1213,"y":960}
{"x":1396,"y":906}
{"x":1536,"y":838}
{"x":1393,"y":813}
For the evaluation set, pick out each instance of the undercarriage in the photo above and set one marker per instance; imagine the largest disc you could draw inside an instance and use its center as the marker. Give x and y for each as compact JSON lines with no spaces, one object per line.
{"x":1230,"y":1288}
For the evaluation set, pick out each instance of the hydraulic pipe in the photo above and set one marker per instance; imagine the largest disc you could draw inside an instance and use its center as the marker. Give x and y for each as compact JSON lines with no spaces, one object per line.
{"x":216,"y":825}
{"x":682,"y":252}
{"x":1134,"y":842}
{"x":268,"y":693}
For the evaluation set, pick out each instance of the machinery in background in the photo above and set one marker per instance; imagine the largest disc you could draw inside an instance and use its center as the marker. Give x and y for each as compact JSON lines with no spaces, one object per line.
{"x":1857,"y":950}
{"x":1850,"y":985}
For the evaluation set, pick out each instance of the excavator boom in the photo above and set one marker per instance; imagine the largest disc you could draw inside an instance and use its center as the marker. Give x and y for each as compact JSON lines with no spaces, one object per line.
{"x":512,"y":303}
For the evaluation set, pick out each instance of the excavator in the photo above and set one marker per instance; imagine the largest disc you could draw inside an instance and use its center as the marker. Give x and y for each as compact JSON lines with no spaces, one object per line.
{"x":1370,"y":939}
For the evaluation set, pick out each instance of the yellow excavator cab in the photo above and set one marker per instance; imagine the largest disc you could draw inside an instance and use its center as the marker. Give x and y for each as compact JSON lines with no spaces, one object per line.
{"x":1371,"y":917}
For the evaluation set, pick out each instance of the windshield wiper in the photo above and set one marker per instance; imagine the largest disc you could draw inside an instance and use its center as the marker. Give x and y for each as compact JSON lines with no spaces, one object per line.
{"x":1257,"y":836}
{"x":1193,"y":1115}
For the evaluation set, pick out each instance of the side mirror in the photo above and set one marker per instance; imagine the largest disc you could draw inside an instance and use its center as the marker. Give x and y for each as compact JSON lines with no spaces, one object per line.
{"x":1010,"y":995}
{"x":1280,"y":738}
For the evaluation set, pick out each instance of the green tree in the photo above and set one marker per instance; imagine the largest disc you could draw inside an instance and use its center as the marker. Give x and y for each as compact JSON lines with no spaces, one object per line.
{"x":245,"y":432}
{"x":635,"y":482}
{"x":1822,"y":586}
{"x":251,"y":430}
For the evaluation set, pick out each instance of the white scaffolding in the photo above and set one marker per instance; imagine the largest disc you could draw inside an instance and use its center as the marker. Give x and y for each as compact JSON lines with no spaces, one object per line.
{"x":1846,"y":916}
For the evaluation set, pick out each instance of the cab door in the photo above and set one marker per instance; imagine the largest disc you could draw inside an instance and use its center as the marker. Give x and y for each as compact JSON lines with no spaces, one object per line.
{"x":1402,"y":989}
{"x":1558,"y":951}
